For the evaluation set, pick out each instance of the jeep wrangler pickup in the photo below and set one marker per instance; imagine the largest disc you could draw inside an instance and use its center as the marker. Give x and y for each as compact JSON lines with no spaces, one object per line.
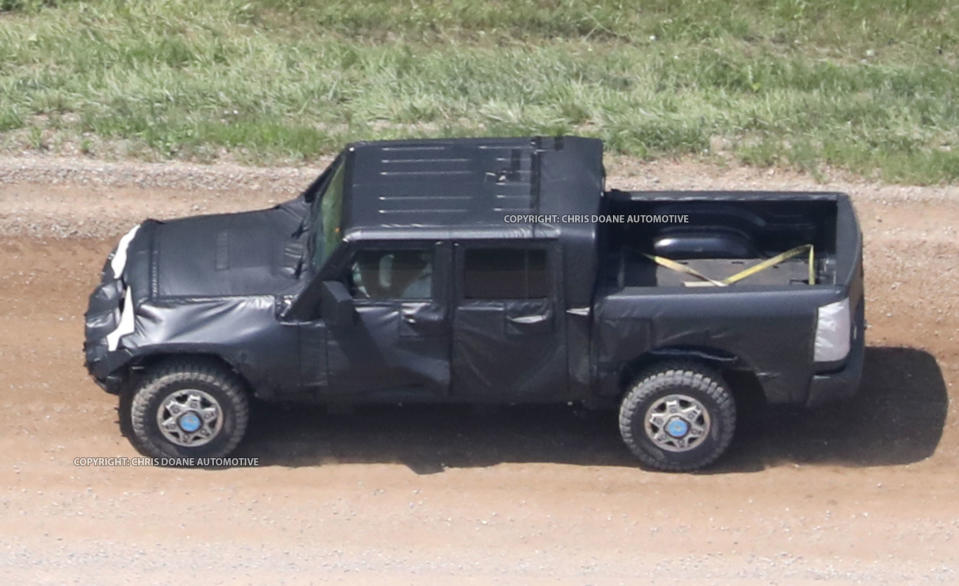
{"x":494,"y":271}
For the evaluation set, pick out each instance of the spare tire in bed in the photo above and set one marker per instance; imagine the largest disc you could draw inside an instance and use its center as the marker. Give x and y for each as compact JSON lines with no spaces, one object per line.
{"x":704,"y":244}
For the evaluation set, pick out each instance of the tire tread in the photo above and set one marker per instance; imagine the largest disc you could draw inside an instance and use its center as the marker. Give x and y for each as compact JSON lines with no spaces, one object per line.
{"x":188,"y":369}
{"x":685,"y":373}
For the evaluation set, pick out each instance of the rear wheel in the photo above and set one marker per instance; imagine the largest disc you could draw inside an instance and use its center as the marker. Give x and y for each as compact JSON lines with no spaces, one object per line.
{"x":189,"y":408}
{"x":678,"y":417}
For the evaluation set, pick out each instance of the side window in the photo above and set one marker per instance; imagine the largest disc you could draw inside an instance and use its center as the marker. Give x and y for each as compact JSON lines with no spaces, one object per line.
{"x":505,"y":273}
{"x":391,"y":274}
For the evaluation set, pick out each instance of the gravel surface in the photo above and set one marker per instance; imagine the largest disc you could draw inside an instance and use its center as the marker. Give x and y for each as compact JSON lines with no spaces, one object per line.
{"x":861,"y":492}
{"x":174,"y":175}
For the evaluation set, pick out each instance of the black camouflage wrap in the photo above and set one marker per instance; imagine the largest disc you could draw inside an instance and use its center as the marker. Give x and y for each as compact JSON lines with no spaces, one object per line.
{"x":236,"y":287}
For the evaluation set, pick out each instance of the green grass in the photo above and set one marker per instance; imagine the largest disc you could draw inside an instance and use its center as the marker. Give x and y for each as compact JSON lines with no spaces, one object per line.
{"x":868,"y":85}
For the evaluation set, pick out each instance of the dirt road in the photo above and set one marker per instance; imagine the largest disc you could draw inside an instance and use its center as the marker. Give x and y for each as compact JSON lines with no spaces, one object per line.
{"x":862,"y":492}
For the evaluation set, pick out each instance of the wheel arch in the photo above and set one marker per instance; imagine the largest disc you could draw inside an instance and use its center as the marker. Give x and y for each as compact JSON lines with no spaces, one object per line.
{"x":144,"y":363}
{"x":738,"y":374}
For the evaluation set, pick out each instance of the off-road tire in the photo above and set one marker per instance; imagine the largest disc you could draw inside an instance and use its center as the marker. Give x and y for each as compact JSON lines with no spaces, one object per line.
{"x":168,"y":377}
{"x":703,"y":384}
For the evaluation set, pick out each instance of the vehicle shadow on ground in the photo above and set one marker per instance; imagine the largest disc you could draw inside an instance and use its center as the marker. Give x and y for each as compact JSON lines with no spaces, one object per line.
{"x":896,"y":418}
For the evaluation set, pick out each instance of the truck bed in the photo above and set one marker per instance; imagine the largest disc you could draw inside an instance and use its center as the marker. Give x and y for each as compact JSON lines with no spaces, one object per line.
{"x":718,"y":234}
{"x":637,"y":272}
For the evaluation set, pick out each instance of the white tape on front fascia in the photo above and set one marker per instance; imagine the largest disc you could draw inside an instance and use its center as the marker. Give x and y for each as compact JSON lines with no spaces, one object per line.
{"x":126,"y":325}
{"x":119,"y":261}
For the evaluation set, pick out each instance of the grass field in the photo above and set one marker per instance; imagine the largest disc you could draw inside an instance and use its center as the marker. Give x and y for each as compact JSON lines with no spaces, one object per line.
{"x":867,"y":85}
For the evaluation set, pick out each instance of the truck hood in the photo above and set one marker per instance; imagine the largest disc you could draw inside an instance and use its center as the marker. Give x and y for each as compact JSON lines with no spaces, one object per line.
{"x":194,"y":284}
{"x":225,"y":255}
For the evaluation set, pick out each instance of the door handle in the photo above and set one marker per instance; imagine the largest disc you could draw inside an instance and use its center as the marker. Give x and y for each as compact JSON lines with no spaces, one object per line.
{"x":422,"y":323}
{"x":529,"y":319}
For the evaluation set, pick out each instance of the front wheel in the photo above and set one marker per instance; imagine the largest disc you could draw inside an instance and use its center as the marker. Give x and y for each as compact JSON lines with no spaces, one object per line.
{"x":678,"y":417}
{"x":189,"y":409}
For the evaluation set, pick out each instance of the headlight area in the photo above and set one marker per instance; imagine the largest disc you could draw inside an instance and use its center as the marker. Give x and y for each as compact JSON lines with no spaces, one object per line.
{"x":126,"y":323}
{"x":110,"y":312}
{"x":833,"y":332}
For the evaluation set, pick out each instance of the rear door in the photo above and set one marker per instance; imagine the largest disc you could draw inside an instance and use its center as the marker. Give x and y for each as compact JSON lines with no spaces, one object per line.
{"x":509,"y":339}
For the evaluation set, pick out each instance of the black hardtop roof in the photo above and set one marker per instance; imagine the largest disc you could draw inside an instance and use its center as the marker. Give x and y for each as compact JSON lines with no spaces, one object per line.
{"x":472,"y":185}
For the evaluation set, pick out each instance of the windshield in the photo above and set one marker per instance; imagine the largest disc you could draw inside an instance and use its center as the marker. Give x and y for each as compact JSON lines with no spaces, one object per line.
{"x":325,"y":216}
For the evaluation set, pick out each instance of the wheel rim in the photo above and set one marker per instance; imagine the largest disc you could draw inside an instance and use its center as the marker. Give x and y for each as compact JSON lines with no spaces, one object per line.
{"x":677,"y":423}
{"x":189,"y":417}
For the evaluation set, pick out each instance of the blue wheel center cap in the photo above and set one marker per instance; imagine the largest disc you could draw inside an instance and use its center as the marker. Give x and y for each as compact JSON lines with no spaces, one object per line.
{"x":677,"y":427}
{"x":189,"y":422}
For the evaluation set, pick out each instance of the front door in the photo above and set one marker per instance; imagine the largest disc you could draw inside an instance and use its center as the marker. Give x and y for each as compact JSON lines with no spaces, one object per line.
{"x":509,"y":341}
{"x":399,"y":344}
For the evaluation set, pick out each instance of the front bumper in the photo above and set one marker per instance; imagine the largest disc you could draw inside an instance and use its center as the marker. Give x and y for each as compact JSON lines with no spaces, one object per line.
{"x":101,"y":318}
{"x":108,"y":317}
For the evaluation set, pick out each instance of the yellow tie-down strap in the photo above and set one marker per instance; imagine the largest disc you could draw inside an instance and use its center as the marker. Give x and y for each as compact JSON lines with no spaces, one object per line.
{"x":761,"y":266}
